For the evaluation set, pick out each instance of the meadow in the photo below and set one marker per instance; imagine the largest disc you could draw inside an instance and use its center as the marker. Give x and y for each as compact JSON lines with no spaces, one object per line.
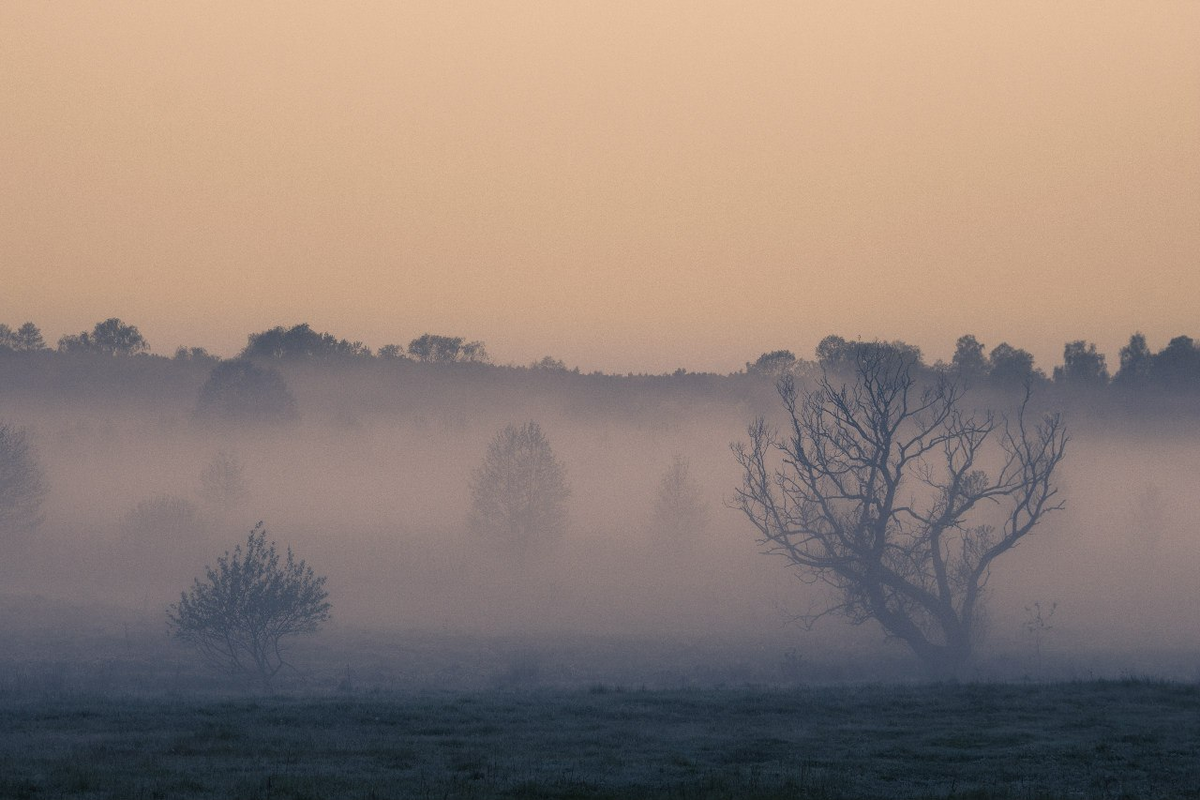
{"x":1121,"y":739}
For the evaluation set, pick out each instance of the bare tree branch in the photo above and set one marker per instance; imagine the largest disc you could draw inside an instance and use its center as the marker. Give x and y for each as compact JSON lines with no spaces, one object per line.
{"x":880,"y":490}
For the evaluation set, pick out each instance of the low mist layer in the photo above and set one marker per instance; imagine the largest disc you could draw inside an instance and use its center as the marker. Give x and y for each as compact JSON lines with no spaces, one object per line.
{"x":371,"y":483}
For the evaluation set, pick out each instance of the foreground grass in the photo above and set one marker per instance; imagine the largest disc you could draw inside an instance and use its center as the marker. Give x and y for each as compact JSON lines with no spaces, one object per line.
{"x":1103,"y":739}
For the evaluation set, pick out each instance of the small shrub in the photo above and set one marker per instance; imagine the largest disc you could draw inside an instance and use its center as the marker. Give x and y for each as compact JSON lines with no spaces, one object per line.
{"x":238,"y":617}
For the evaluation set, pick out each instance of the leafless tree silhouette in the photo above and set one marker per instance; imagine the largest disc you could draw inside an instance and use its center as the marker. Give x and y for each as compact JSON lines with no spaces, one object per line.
{"x":879,"y":489}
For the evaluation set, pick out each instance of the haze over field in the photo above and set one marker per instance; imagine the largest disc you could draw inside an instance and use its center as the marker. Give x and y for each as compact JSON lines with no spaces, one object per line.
{"x":373,"y":482}
{"x":627,"y":398}
{"x":626,"y":186}
{"x":637,"y":199}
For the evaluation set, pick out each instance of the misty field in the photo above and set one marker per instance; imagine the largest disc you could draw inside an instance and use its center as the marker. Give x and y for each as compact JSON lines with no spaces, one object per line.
{"x":1129,"y":738}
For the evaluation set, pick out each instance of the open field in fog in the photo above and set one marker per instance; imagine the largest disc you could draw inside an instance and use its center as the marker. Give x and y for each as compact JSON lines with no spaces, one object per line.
{"x":372,"y":486}
{"x":53,"y":648}
{"x":1090,"y":739}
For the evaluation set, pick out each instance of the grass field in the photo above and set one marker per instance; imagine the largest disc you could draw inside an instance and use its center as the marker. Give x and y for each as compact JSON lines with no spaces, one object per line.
{"x":1089,"y":739}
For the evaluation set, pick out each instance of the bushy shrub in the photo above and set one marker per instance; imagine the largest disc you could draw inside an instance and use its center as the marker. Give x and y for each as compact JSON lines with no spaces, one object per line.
{"x":239,"y":615}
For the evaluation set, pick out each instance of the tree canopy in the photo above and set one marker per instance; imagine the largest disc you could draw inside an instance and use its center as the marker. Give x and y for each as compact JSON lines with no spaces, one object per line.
{"x":300,"y":341}
{"x":241,"y":391}
{"x":112,"y":337}
{"x":433,"y":349}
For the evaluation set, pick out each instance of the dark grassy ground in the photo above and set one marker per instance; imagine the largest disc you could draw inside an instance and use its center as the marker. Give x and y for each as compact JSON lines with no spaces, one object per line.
{"x":1098,"y":739}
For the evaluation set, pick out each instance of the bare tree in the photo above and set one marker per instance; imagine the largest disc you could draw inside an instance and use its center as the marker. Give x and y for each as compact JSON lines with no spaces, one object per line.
{"x":248,"y":604}
{"x":1037,"y":624}
{"x":22,"y":483}
{"x":879,"y":489}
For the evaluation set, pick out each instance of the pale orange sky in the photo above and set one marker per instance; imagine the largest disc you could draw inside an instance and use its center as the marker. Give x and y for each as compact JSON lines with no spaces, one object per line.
{"x":623,"y":185}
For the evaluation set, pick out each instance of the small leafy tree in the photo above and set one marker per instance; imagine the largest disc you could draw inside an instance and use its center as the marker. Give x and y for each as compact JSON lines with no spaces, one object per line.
{"x":29,"y":338}
{"x":161,"y":536}
{"x":164,"y":519}
{"x":252,"y":600}
{"x":22,"y":483}
{"x":679,"y":507}
{"x":223,"y":481}
{"x":240,"y":391}
{"x":520,"y":490}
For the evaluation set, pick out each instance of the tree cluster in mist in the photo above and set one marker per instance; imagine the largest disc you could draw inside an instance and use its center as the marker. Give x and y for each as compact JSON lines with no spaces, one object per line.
{"x":377,"y":465}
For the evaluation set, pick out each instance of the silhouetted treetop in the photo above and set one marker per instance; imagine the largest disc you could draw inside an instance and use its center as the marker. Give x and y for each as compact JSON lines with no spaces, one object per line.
{"x":969,"y":363}
{"x":1011,"y":366}
{"x":839,"y":355}
{"x":1177,"y":366}
{"x":112,"y":337}
{"x":773,"y":364}
{"x":195,"y":355}
{"x":1135,"y":362}
{"x":549,"y":363}
{"x":1083,"y":366}
{"x":26,"y":338}
{"x":432,"y":349}
{"x":300,"y":341}
{"x":29,"y":338}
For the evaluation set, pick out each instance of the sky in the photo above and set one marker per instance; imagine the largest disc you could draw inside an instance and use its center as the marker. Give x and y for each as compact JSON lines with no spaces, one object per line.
{"x":627,"y":186}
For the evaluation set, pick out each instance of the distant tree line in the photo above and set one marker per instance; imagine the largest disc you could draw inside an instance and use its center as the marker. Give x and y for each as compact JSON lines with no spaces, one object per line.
{"x":1174,"y":368}
{"x":113,"y":337}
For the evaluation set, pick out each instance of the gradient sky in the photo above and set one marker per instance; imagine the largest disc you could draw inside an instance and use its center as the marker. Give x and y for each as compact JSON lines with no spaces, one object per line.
{"x":623,"y":185}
